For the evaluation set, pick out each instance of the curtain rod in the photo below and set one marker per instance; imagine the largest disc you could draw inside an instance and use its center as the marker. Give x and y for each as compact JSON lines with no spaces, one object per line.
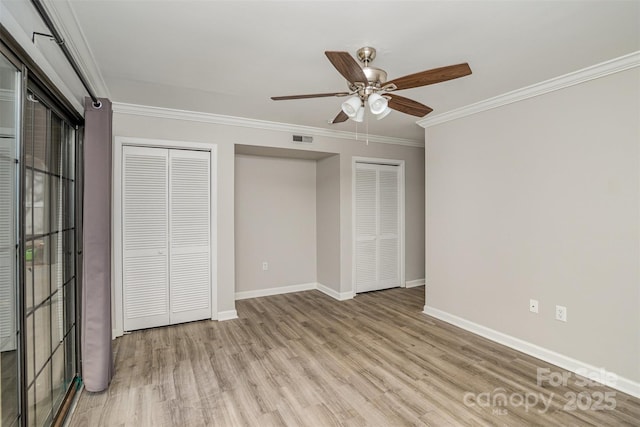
{"x":60,"y":41}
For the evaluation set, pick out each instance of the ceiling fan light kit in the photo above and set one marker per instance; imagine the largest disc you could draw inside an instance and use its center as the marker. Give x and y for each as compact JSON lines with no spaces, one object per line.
{"x":354,"y":108}
{"x":369,"y":85}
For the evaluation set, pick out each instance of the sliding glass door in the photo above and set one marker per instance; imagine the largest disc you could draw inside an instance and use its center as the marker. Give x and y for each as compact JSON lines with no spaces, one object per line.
{"x":38,"y":247}
{"x":49,"y":261}
{"x":9,"y":202}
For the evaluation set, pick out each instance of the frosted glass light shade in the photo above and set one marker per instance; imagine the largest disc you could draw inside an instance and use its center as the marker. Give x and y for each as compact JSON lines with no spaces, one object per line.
{"x":351,"y":106}
{"x":377,"y":104}
{"x":359,"y":115}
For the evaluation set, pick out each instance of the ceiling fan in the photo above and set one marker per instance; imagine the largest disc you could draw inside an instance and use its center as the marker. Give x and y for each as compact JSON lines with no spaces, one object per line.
{"x":369,"y":85}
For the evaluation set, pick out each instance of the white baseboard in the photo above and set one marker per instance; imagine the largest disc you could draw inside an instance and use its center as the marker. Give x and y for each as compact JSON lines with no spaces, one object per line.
{"x":227,"y":315}
{"x":625,"y":385}
{"x":275,"y":291}
{"x":340,"y":296}
{"x":414,"y":283}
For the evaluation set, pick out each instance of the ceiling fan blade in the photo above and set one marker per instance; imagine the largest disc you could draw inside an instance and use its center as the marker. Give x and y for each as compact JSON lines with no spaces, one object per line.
{"x":347,"y":66}
{"x":311,"y":95}
{"x":408,"y":106}
{"x":341,"y":117}
{"x":430,"y":77}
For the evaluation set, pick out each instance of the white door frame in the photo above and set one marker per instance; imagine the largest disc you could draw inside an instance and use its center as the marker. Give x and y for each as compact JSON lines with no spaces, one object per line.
{"x":116,"y":219}
{"x":376,"y":161}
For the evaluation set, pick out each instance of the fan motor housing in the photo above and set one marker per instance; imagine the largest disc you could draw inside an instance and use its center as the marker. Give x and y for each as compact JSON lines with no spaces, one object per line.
{"x":376,"y":76}
{"x":375,"y":79}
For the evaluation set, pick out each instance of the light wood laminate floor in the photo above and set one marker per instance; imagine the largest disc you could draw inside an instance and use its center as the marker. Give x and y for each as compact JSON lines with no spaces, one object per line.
{"x":305,"y":359}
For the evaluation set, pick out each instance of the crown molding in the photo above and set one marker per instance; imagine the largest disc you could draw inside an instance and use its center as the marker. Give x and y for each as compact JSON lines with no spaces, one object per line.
{"x":66,"y":21}
{"x":606,"y":68}
{"x":194,"y":116}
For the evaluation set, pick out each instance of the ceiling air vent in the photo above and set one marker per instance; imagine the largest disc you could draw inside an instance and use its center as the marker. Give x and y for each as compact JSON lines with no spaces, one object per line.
{"x":301,"y":139}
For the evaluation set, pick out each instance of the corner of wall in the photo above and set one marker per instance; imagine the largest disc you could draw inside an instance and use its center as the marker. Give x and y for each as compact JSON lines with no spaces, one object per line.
{"x":340,"y":296}
{"x":227,"y":315}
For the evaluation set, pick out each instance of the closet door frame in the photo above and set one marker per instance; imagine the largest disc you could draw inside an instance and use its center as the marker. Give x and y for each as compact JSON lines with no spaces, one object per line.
{"x":401,"y":177}
{"x":116,"y":225}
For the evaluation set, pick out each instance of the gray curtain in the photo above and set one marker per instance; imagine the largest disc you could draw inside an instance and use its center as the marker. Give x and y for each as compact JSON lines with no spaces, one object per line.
{"x":97,"y":360}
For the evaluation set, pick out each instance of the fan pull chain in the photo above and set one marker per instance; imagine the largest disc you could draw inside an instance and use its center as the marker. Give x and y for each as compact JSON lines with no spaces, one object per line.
{"x":367,"y":125}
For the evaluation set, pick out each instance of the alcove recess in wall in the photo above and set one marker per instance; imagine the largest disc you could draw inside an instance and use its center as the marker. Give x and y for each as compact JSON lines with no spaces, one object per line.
{"x":287,"y":220}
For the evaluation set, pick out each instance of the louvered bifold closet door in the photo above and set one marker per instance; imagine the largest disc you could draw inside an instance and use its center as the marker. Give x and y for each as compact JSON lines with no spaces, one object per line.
{"x":389,"y":227}
{"x":145,"y":235}
{"x":366,"y":225}
{"x":7,"y":243}
{"x":190,"y":235}
{"x":377,"y":225}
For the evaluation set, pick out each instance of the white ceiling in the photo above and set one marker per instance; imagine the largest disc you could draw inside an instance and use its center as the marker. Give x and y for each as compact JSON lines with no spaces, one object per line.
{"x":229,"y":57}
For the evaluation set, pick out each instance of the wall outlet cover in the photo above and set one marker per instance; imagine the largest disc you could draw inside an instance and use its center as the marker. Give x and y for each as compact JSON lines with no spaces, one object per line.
{"x":561,"y":313}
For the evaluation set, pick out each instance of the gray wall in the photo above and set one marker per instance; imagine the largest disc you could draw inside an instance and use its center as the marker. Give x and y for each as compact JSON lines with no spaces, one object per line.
{"x":275,"y":221}
{"x":225,"y":136}
{"x":328,"y":221}
{"x":540,"y":199}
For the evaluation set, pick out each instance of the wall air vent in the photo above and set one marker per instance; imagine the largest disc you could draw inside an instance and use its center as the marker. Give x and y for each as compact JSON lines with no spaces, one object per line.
{"x":301,"y":139}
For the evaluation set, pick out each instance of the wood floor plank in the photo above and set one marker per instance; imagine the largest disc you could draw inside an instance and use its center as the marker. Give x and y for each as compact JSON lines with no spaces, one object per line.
{"x":304,"y":359}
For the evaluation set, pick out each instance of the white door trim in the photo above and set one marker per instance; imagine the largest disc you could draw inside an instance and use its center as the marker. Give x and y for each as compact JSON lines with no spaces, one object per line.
{"x":116,"y":219}
{"x":377,"y":161}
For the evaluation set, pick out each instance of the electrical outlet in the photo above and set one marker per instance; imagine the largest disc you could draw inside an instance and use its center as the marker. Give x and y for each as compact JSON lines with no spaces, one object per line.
{"x":561,"y":313}
{"x":533,"y":305}
{"x":265,"y":266}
